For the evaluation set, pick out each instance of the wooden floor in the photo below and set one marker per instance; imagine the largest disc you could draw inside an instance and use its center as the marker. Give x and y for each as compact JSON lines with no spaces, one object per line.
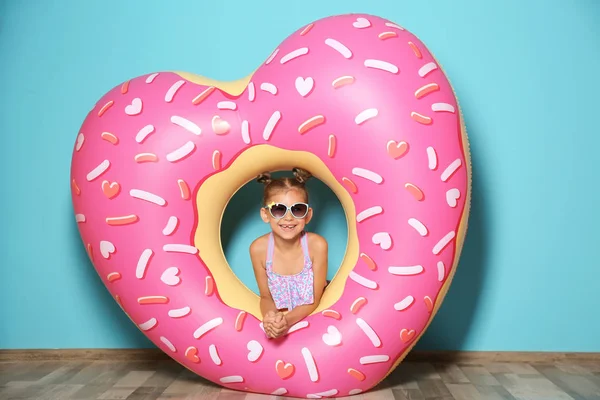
{"x":165,"y":379}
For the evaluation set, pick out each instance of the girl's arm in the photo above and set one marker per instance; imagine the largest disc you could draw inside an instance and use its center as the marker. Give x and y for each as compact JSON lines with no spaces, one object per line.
{"x":257,"y":250}
{"x":319,"y":250}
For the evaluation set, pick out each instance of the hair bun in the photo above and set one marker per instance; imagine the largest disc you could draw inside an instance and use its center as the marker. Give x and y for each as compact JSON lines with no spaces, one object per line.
{"x":264,"y":178}
{"x":301,"y":175}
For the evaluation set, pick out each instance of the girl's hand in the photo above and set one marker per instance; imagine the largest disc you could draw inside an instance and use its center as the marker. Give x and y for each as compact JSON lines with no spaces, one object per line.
{"x":279,"y":326}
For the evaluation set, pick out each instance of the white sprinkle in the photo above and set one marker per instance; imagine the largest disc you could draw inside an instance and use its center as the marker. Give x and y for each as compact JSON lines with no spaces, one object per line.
{"x":227,"y":105}
{"x":151,"y":323}
{"x":99,"y":170}
{"x":294,"y":54}
{"x":150,"y":78}
{"x":354,"y":391}
{"x":214,"y":354}
{"x":406,"y":270}
{"x":232,"y":379}
{"x":427,"y":68}
{"x":79,"y":217}
{"x":251,"y":92}
{"x":366,"y":328}
{"x":142,"y":265}
{"x":298,"y":326}
{"x":452,"y":197}
{"x":391,"y":25}
{"x":179,"y":312}
{"x":340,"y":48}
{"x":208,"y":326}
{"x":328,"y":393}
{"x":310,"y":364}
{"x":443,"y":242}
{"x":181,"y":152}
{"x":271,"y":57}
{"x":246,"y":132}
{"x":173,"y":90}
{"x":361,"y":280}
{"x":432,"y":158}
{"x":79,"y":142}
{"x":180,"y":248}
{"x":441,"y":271}
{"x":382,"y":65}
{"x":404,"y":303}
{"x":186,"y":124}
{"x":451,"y":169}
{"x":366,"y":115}
{"x":271,"y":124}
{"x":370,"y":175}
{"x":144,"y":133}
{"x":373,"y":359}
{"x":171,"y":226}
{"x":279,"y":392}
{"x":168,"y":343}
{"x":442,"y":107}
{"x":369,"y":212}
{"x":418,"y":225}
{"x":150,"y":197}
{"x":268,"y":87}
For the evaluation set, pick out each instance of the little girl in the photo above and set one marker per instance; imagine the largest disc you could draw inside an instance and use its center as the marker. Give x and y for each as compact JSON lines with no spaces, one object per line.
{"x":289,"y":263}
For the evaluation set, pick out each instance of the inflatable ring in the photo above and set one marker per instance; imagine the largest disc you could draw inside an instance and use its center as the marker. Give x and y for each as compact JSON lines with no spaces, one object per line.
{"x":356,"y":100}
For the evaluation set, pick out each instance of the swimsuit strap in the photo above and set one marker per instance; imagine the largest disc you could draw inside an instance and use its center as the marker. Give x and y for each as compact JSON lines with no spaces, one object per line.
{"x":304,"y":241}
{"x":270,"y":250}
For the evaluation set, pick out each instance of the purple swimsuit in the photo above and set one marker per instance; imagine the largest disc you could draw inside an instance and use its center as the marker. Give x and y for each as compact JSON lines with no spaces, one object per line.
{"x":290,"y":291}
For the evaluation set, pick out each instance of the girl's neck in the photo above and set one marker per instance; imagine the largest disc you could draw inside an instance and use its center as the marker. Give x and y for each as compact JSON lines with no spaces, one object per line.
{"x":287,"y":244}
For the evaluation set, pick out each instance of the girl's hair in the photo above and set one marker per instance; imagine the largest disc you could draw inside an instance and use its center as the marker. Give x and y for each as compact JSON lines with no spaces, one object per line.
{"x":273,"y":185}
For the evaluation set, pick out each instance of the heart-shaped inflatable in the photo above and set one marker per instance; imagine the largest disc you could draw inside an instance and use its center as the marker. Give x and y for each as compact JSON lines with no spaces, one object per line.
{"x":355,"y":99}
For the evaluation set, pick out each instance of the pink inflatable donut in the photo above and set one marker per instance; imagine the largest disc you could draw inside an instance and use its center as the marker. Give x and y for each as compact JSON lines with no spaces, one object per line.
{"x":355,"y":99}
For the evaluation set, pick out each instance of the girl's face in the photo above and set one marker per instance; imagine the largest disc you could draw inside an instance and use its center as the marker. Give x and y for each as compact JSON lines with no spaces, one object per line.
{"x":297,"y":213}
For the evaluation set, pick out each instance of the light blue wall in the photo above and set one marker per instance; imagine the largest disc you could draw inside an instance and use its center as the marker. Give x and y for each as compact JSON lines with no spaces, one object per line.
{"x":526,"y":74}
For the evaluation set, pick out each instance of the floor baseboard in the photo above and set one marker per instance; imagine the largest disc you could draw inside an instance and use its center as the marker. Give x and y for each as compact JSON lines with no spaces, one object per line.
{"x":130,"y":355}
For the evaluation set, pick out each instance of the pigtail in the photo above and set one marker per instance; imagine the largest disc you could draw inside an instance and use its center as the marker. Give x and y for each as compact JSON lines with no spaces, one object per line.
{"x":264,"y":178}
{"x":301,"y":175}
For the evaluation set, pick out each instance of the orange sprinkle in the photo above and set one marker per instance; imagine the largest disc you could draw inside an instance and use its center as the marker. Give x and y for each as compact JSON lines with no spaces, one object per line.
{"x":216,"y":159}
{"x":369,"y":261}
{"x":428,"y":303}
{"x":90,"y":251}
{"x":118,"y":299}
{"x":109,"y":137}
{"x":202,"y":96}
{"x":387,"y":35}
{"x":105,"y":108}
{"x":146,"y":157}
{"x":332,"y":146}
{"x":191,"y":353}
{"x":125,"y":87}
{"x":350,"y":185}
{"x":125,"y":220}
{"x":342,"y":81}
{"x":75,"y":188}
{"x":239,"y":321}
{"x":415,"y":50}
{"x":113,"y":276}
{"x":356,"y":374}
{"x":209,"y":286}
{"x":184,"y":189}
{"x":153,"y":300}
{"x":306,"y":30}
{"x":331,"y":314}
{"x":425,"y":90}
{"x":358,"y":304}
{"x":420,"y":118}
{"x":415,"y":191}
{"x":311,"y":123}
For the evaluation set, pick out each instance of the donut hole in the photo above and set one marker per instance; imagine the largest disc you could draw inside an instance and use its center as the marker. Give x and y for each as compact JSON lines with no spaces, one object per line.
{"x":241,"y":224}
{"x":233,"y":191}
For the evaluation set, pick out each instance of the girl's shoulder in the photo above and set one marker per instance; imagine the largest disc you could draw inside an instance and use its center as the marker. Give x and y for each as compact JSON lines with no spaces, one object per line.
{"x":259,"y":246}
{"x":317,"y":244}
